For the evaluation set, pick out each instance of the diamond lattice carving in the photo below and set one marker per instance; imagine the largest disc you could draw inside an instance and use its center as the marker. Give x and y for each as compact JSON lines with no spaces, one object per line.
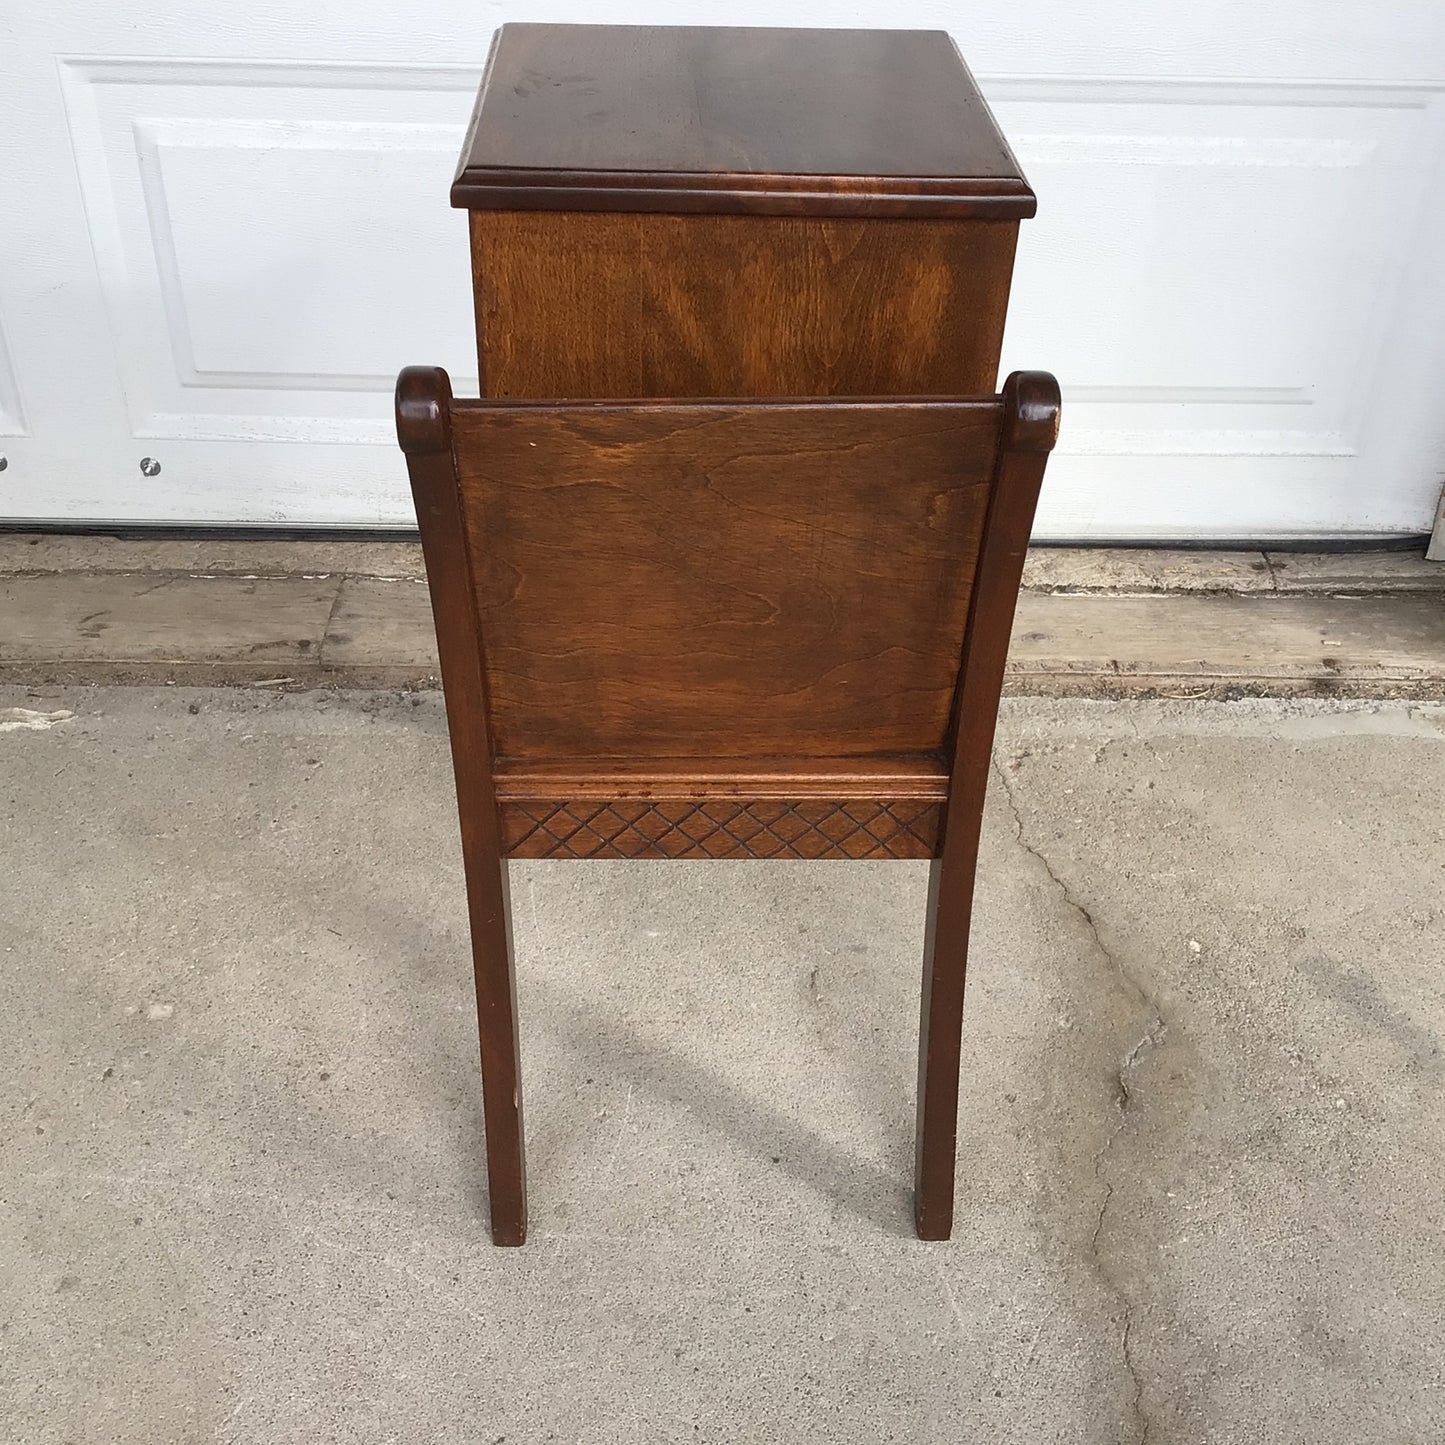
{"x":631,"y":828}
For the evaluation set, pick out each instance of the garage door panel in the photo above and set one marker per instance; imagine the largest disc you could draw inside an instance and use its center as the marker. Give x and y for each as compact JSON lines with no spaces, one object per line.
{"x":12,"y":415}
{"x":228,"y":228}
{"x":1215,"y":272}
{"x":1196,"y":498}
{"x":273,"y":243}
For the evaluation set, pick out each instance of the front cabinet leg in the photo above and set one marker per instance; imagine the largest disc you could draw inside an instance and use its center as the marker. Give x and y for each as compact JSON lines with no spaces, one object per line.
{"x":489,"y":901}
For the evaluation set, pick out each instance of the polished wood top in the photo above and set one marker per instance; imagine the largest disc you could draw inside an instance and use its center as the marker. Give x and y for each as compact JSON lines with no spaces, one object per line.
{"x":735,"y":120}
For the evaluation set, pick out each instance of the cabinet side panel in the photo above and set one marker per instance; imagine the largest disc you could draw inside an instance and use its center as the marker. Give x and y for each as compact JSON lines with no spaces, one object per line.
{"x":581,"y":305}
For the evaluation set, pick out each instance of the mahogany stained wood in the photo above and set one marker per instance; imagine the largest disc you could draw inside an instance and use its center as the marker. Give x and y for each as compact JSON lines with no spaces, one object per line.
{"x":711,"y":579}
{"x":730,"y":119}
{"x":746,"y":628}
{"x":976,"y":464}
{"x":883,"y":775}
{"x":818,"y":808}
{"x":807,"y":828}
{"x":423,"y":424}
{"x":581,"y":306}
{"x":1029,"y":429}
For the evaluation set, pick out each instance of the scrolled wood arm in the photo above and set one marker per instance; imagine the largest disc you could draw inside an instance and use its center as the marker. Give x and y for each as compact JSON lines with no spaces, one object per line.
{"x":423,"y":410}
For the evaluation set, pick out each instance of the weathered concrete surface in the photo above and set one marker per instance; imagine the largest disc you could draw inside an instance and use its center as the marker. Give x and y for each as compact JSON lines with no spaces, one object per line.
{"x":1167,"y":569}
{"x":35,"y":553}
{"x":1048,"y":569}
{"x":1108,"y":622}
{"x":1178,"y":644}
{"x":1199,"y":1176}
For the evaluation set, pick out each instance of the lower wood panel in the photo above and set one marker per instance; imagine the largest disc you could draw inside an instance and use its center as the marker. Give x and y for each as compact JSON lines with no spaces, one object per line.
{"x":811,"y":828}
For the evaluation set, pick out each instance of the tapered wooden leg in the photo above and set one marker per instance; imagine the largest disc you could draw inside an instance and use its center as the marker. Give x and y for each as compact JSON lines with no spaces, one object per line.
{"x":940,"y":1035}
{"x":423,"y":425}
{"x":1028,"y":429}
{"x":489,"y":901}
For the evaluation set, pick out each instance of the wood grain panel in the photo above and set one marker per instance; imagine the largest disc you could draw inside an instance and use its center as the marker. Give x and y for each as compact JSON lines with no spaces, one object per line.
{"x":600,"y":305}
{"x":788,"y":580}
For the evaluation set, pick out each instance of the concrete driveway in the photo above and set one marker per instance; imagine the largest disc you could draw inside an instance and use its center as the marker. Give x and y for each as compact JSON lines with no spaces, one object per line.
{"x":1203,"y":1120}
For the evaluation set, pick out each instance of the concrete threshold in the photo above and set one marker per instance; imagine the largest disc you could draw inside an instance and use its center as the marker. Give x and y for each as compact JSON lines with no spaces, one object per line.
{"x":1091,"y":621}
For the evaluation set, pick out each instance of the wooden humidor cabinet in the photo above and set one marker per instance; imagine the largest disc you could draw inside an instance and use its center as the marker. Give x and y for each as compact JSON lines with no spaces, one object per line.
{"x":723,"y":560}
{"x":694,"y":212}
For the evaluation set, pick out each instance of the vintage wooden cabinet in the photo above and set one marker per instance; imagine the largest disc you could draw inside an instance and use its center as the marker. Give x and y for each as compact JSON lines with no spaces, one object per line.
{"x":691,"y":212}
{"x":724,"y":558}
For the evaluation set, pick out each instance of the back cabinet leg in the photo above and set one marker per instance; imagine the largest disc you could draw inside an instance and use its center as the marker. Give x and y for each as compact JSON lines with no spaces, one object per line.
{"x":492,"y":960}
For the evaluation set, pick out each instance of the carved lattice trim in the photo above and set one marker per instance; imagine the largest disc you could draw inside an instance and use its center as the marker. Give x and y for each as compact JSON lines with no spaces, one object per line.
{"x":632,"y":828}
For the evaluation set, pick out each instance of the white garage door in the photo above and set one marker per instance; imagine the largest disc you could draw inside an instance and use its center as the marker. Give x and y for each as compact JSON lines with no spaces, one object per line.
{"x":216,"y":215}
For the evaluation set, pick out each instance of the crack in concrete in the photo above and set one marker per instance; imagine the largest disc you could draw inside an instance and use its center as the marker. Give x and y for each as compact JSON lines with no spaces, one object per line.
{"x":1152,"y":1037}
{"x":321,"y":648}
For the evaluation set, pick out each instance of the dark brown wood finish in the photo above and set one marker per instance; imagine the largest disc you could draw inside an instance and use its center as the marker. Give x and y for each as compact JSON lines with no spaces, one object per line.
{"x":423,"y":426}
{"x":751,"y":628}
{"x":881,"y":775}
{"x":1028,"y":430}
{"x":886,"y":807}
{"x":713,"y":580}
{"x":583,"y":574}
{"x":799,"y":828}
{"x":684,"y":119}
{"x":710,"y":211}
{"x":581,"y":306}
